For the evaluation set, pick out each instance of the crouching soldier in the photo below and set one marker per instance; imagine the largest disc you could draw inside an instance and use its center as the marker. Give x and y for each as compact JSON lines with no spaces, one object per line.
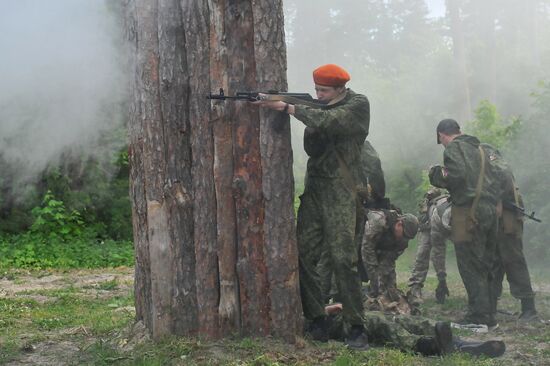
{"x":434,"y":230}
{"x":386,"y":236}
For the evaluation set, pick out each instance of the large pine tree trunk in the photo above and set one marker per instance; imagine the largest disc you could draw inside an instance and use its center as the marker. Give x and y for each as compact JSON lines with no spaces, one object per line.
{"x":212,"y":183}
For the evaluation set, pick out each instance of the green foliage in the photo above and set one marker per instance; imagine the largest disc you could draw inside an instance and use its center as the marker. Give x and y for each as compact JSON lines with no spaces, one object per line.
{"x":59,"y":238}
{"x":32,"y":250}
{"x":95,"y":192}
{"x":489,"y":127}
{"x":53,"y":220}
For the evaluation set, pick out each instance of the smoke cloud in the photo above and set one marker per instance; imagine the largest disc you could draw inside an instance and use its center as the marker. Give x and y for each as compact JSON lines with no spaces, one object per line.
{"x":62,"y":84}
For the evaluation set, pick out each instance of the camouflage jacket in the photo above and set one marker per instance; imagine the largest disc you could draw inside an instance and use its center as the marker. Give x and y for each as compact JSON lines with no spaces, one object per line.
{"x":341,"y":129}
{"x":462,"y":166}
{"x":372,"y":172}
{"x":379,"y":239}
{"x":508,"y":188}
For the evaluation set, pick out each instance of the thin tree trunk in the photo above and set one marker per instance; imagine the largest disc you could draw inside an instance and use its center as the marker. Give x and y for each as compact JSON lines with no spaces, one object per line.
{"x":487,"y":17}
{"x":462,"y":88}
{"x":532,"y":31}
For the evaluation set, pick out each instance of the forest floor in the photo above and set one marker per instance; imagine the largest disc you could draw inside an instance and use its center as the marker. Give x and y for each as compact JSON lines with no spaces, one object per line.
{"x":86,"y":317}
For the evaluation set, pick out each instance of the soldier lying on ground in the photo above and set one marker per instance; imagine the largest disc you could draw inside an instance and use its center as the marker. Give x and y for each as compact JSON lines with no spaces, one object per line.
{"x":416,"y":334}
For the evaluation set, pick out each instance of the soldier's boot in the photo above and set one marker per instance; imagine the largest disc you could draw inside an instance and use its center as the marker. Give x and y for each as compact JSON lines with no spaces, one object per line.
{"x":528,"y":311}
{"x":441,"y":344}
{"x":414,"y":298}
{"x":441,"y":292}
{"x":414,"y":295}
{"x":444,"y":337}
{"x":491,"y":348}
{"x":426,"y":346}
{"x":318,"y":329}
{"x":357,"y":338}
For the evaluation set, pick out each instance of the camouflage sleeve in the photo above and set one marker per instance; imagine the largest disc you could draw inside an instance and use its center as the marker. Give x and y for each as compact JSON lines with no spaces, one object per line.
{"x":348,"y":119}
{"x":438,"y":176}
{"x":374,"y":228}
{"x":455,"y":167}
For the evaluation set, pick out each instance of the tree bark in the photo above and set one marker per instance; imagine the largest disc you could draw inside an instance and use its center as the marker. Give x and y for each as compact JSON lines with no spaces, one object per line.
{"x":197,"y":30}
{"x":278,"y":182}
{"x":212,"y":185}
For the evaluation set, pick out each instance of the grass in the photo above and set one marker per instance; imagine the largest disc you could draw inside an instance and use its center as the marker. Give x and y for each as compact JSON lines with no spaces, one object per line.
{"x":84,"y":323}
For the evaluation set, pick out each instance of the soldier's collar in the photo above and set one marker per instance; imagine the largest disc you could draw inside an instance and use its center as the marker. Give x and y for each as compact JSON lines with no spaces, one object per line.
{"x":339,"y":98}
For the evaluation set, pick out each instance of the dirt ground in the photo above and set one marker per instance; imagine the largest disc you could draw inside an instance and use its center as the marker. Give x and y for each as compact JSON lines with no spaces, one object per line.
{"x":526,"y":345}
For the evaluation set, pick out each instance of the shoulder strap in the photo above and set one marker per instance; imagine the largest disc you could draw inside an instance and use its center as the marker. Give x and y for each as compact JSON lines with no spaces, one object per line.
{"x":348,"y":177}
{"x":479,"y":185}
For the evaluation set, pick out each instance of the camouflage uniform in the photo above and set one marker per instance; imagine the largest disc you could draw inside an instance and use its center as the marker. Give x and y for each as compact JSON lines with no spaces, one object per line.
{"x":397,"y":331}
{"x":511,"y":260}
{"x":433,"y":232}
{"x":372,"y":176}
{"x":327,"y":213}
{"x":474,"y":237}
{"x":380,"y":249}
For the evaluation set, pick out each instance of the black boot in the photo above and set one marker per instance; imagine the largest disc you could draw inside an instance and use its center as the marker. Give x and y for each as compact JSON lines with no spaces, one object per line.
{"x":357,"y":339}
{"x":528,"y":311}
{"x":441,"y":292}
{"x":427,"y":346}
{"x":490,"y":348}
{"x":444,"y":337}
{"x":319,"y":329}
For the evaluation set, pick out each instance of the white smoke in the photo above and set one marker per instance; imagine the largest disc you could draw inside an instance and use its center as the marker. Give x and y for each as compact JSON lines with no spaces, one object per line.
{"x":61,"y":80}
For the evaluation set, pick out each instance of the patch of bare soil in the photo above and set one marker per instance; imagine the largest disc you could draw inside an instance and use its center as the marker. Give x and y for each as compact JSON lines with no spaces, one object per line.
{"x":62,"y":346}
{"x":90,"y":282}
{"x":49,"y":353}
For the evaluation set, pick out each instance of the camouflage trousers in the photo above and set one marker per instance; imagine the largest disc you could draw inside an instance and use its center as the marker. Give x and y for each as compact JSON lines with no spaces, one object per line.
{"x":324,"y":268}
{"x":475,"y":260}
{"x":326,"y":224}
{"x":430,"y":242}
{"x":396,"y":331}
{"x":511,"y":261}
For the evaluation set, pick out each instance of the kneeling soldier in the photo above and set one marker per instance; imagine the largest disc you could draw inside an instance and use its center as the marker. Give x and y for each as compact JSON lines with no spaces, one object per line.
{"x":386,"y":236}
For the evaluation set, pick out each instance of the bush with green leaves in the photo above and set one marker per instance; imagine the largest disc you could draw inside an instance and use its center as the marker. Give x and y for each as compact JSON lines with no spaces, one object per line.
{"x":59,"y":238}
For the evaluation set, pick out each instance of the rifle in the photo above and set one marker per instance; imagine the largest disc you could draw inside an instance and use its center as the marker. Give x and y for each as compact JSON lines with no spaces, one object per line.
{"x":254,"y":96}
{"x":520,"y":210}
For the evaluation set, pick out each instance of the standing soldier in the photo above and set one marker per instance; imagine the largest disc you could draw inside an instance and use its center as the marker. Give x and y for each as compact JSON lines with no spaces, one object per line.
{"x":327,"y":213}
{"x":386,"y":237}
{"x":434,"y":230}
{"x":471,"y":182}
{"x":510,"y":258}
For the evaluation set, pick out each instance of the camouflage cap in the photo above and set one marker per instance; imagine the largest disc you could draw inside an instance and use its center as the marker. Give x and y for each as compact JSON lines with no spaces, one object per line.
{"x":410,"y":225}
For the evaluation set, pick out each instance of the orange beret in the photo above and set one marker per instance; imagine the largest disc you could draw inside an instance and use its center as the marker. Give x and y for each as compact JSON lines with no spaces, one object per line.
{"x":330,"y":75}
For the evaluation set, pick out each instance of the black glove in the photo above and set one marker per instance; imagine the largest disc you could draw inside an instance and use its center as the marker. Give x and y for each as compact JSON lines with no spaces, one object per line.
{"x":441,"y":292}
